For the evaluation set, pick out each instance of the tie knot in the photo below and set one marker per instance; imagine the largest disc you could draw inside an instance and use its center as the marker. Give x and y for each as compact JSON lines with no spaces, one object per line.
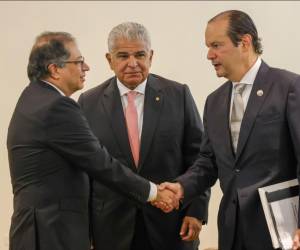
{"x":239,"y":88}
{"x":131,"y":95}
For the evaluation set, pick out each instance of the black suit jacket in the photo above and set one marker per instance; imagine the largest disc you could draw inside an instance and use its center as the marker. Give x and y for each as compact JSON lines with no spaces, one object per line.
{"x":51,"y":148}
{"x":267,"y":153}
{"x":170,"y":143}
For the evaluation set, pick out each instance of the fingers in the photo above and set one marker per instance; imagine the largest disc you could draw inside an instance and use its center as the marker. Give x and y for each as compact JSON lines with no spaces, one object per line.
{"x":190,"y":236}
{"x":170,"y":199}
{"x":168,"y":196}
{"x":176,"y":188}
{"x":163,"y":185}
{"x":296,"y":240}
{"x":163,"y":206}
{"x":165,"y":200}
{"x":190,"y":228}
{"x":184,"y":228}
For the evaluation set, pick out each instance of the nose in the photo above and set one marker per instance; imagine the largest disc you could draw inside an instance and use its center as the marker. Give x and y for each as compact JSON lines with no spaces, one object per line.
{"x":210,"y":54}
{"x":132,"y":61}
{"x":85,"y":67}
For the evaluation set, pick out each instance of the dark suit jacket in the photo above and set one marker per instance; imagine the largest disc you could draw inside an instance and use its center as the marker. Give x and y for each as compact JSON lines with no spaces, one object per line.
{"x":170,"y":142}
{"x":267,"y":153}
{"x":50,"y":148}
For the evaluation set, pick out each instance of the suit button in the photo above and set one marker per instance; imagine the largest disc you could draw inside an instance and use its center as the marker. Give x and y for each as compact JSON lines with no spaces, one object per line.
{"x":237,"y":170}
{"x":234,"y":201}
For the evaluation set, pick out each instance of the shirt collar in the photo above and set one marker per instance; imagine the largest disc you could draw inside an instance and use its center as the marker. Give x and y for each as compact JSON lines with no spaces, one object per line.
{"x":51,"y":84}
{"x":124,"y":90}
{"x":250,"y":76}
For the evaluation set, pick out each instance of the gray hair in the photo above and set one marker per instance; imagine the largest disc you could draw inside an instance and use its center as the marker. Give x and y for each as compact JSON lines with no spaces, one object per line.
{"x":49,"y":47}
{"x":129,"y":31}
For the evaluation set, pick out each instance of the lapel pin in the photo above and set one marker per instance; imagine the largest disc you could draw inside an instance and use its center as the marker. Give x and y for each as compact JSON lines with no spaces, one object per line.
{"x":157,"y":99}
{"x":260,"y":92}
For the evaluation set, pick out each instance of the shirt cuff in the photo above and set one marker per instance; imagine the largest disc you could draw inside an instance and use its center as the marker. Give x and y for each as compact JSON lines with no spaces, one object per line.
{"x":153,"y":192}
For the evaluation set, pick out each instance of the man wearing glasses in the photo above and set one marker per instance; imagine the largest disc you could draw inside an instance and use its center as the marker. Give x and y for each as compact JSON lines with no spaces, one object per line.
{"x":51,"y":148}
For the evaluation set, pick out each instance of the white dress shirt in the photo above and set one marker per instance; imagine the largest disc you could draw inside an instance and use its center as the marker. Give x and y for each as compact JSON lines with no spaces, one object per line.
{"x":247,"y":79}
{"x":139,"y":103}
{"x":49,"y":83}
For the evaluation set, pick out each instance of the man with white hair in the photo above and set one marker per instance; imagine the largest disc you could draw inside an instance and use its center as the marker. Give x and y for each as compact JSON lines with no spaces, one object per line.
{"x":152,"y":125}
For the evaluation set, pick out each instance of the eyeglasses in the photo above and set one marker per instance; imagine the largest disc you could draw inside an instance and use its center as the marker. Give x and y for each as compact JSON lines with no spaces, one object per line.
{"x":79,"y":61}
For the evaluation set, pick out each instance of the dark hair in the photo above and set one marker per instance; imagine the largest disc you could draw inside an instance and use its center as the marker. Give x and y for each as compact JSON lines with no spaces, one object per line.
{"x":240,"y":24}
{"x":49,"y":48}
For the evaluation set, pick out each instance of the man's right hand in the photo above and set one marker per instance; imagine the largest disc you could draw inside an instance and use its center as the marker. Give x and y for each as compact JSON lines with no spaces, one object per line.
{"x":175,"y":187}
{"x":168,"y":196}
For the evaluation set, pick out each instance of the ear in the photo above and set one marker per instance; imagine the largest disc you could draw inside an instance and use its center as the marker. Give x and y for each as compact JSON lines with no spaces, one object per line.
{"x":53,"y":71}
{"x":246,"y":41}
{"x":109,"y":59}
{"x":151,"y":55}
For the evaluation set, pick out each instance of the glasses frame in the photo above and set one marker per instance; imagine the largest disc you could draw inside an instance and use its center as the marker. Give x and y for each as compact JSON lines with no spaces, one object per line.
{"x":78,"y":61}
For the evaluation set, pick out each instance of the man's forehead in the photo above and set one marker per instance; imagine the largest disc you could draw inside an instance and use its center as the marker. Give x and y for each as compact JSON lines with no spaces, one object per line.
{"x":129,"y":51}
{"x":73,"y":50}
{"x":216,"y":30}
{"x":130,"y":45}
{"x":219,"y":25}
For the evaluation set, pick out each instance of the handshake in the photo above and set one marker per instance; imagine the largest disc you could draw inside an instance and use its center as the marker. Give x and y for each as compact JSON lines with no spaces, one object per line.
{"x":168,"y":196}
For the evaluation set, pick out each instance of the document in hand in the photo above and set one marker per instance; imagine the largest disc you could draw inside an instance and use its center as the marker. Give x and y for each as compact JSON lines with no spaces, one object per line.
{"x":280,"y":204}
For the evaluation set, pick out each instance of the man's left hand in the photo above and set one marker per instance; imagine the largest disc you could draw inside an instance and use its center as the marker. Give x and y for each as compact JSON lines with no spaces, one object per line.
{"x":190,"y":228}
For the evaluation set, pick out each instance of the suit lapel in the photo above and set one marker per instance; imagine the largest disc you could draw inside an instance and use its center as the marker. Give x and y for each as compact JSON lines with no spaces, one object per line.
{"x":254,"y":104}
{"x":114,"y":111}
{"x":222,"y":122}
{"x":152,"y":107}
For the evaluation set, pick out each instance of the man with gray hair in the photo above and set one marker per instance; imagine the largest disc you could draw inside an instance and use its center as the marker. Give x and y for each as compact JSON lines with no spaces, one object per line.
{"x":51,"y":148}
{"x":152,"y":125}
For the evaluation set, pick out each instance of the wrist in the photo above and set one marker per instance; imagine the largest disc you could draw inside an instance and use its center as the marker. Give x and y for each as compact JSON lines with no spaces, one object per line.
{"x":153,"y":192}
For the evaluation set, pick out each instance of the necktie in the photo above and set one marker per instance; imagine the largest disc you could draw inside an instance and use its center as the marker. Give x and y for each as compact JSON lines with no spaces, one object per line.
{"x":237,"y":113}
{"x":131,"y":117}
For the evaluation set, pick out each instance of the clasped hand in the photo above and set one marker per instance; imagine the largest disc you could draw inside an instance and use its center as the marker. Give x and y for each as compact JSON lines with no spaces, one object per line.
{"x":168,"y":196}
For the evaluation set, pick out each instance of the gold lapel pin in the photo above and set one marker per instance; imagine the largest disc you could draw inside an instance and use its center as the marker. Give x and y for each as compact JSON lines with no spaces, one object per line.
{"x":157,"y":99}
{"x":260,"y":92}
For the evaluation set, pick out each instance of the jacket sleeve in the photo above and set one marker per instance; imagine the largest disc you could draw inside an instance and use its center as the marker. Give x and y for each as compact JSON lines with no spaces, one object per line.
{"x":203,"y":172}
{"x":293,"y":117}
{"x":193,"y":133}
{"x":68,"y":134}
